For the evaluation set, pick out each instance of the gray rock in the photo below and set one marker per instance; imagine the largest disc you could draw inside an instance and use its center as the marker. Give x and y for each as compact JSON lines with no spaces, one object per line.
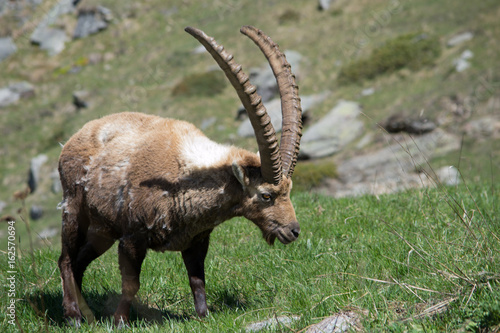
{"x":271,"y":323}
{"x":7,"y":47}
{"x":56,"y":182}
{"x":36,"y":212}
{"x":52,"y":39}
{"x":333,"y":132}
{"x":368,"y":91}
{"x":324,"y":4}
{"x":393,"y":168}
{"x":8,"y":97}
{"x":485,"y":127}
{"x":91,"y":21}
{"x":340,"y":322}
{"x":448,"y":175}
{"x":460,"y":38}
{"x":48,"y":233}
{"x":3,"y":204}
{"x":208,"y":122}
{"x":462,"y":63}
{"x":34,"y":173}
{"x":399,"y":123}
{"x":80,"y":99}
{"x":274,"y":110}
{"x":12,"y":93}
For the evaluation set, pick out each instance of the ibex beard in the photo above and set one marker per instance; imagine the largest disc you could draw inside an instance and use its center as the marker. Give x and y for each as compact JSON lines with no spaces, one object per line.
{"x":161,"y":184}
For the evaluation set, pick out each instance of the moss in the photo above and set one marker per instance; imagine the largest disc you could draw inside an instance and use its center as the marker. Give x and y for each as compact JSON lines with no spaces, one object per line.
{"x":204,"y":84}
{"x":290,"y":16}
{"x":412,"y":51}
{"x":308,"y":175}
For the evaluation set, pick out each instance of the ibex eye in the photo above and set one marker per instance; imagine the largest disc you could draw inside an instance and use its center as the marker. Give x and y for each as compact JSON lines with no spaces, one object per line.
{"x":266,"y":196}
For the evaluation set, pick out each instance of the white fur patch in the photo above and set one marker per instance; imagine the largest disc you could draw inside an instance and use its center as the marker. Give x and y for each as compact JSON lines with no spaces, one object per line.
{"x":200,"y":152}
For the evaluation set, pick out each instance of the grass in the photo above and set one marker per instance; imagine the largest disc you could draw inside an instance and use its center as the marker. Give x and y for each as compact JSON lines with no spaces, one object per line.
{"x":391,"y":258}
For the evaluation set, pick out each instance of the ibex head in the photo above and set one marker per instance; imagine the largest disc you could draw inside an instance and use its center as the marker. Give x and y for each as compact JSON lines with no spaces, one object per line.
{"x":267,"y":186}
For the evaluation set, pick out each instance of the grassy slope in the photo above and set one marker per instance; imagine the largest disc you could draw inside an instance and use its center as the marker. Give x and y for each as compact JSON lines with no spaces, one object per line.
{"x":387,"y":258}
{"x":151,"y":53}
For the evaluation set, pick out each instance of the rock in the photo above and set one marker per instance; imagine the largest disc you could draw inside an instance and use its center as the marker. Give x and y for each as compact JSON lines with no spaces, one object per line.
{"x":368,"y":91}
{"x":460,"y":38}
{"x":324,"y":4}
{"x":448,"y":175}
{"x":48,"y":233}
{"x":91,"y":21}
{"x":80,"y":99}
{"x":341,"y":322}
{"x":56,"y":182}
{"x":12,"y":93}
{"x":207,"y":122}
{"x":393,"y":168}
{"x":3,"y":204}
{"x":399,"y":123}
{"x":36,"y":212}
{"x":52,"y":39}
{"x":7,"y":47}
{"x":485,"y":127}
{"x":462,"y":63}
{"x":274,"y":110}
{"x":271,"y":323}
{"x":333,"y":132}
{"x":7,"y":97}
{"x":23,"y":88}
{"x":34,"y":173}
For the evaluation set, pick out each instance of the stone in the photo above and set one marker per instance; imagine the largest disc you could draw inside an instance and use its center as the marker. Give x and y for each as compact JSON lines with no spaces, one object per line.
{"x":36,"y":212}
{"x":56,"y":182}
{"x":80,"y":99}
{"x":333,"y":132}
{"x":324,"y":4}
{"x":399,"y":123}
{"x":52,"y":39}
{"x":460,"y":38}
{"x":8,"y":97}
{"x":274,"y":110}
{"x":3,"y":204}
{"x":7,"y":47}
{"x":34,"y":172}
{"x":91,"y":21}
{"x":393,"y":168}
{"x":462,"y":63}
{"x":271,"y":323}
{"x":23,"y":88}
{"x":484,"y":127}
{"x":340,"y":322}
{"x":48,"y":233}
{"x":448,"y":175}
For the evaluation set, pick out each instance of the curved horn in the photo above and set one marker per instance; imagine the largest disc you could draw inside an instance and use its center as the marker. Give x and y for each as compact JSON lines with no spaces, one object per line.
{"x":261,"y":122}
{"x":290,"y":101}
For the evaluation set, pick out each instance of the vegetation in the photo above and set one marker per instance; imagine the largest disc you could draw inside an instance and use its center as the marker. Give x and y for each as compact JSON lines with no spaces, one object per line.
{"x":308,"y":175}
{"x":204,"y":84}
{"x":420,"y":260}
{"x":412,"y":51}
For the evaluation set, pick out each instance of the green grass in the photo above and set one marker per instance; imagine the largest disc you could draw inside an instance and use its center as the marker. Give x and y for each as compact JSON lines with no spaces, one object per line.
{"x":389,"y":258}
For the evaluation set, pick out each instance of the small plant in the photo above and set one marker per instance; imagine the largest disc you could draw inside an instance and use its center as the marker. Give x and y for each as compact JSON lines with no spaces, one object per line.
{"x":204,"y":84}
{"x":308,"y":175}
{"x":412,"y":51}
{"x":289,"y":16}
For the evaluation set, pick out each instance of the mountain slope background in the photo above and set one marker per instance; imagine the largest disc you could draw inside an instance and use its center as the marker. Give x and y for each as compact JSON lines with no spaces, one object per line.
{"x":144,"y":55}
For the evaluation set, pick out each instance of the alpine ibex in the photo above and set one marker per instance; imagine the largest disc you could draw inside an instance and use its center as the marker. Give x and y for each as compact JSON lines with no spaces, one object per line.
{"x":155,"y":183}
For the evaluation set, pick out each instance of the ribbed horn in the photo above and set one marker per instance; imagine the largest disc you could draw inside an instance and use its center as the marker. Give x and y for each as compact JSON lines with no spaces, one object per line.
{"x":290,"y":100}
{"x":261,"y":122}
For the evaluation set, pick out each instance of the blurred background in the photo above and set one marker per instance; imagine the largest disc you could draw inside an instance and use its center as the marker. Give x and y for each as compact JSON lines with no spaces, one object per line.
{"x":396,"y":94}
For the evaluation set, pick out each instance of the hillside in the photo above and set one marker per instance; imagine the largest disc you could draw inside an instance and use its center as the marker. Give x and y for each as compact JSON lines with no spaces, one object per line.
{"x":138,"y":60}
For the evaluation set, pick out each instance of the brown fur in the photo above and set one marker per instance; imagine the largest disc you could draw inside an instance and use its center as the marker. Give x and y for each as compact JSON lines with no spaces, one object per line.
{"x":125,"y":177}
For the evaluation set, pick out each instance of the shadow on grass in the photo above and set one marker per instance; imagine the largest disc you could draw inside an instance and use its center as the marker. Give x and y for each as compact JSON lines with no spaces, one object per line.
{"x":103,"y":305}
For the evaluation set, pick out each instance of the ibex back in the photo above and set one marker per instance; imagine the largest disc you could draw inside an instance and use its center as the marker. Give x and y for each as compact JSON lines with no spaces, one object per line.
{"x":155,"y":183}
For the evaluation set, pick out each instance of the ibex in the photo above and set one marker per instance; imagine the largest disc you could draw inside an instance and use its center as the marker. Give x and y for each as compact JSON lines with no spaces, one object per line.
{"x":161,"y":184}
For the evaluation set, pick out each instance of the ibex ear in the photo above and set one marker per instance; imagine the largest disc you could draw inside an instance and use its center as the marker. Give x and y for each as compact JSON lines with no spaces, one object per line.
{"x":240,"y":174}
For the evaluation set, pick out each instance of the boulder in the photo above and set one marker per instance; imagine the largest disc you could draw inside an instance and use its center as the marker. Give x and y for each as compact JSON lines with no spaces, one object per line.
{"x":52,"y":39}
{"x":34,"y":173}
{"x":274,"y":110}
{"x":333,"y":132}
{"x":399,"y":123}
{"x":36,"y":212}
{"x":460,"y":38}
{"x":324,"y":4}
{"x":340,"y":322}
{"x":395,"y":167}
{"x":271,"y":323}
{"x":91,"y":21}
{"x":56,"y":182}
{"x":7,"y":47}
{"x":12,"y":93}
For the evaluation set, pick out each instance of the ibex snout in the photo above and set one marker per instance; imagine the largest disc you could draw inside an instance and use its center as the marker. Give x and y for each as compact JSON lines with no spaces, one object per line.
{"x":288,"y":233}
